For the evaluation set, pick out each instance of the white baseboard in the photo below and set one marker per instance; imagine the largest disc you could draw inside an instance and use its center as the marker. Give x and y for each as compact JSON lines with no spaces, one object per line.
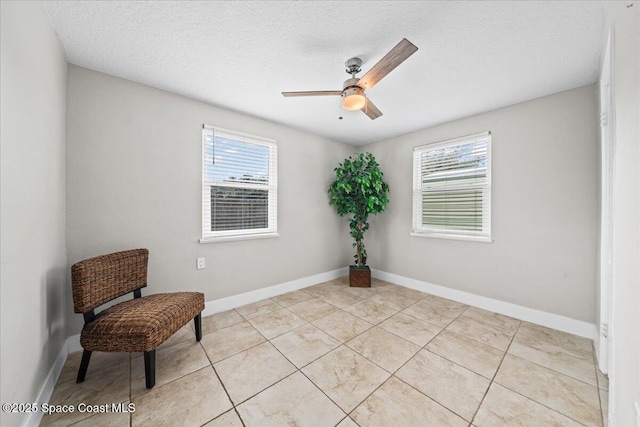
{"x":228,"y":303}
{"x":34,"y":418}
{"x":550,"y":320}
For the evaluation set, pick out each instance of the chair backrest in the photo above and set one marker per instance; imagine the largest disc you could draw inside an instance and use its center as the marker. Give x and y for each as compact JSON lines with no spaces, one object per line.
{"x":98,"y":280}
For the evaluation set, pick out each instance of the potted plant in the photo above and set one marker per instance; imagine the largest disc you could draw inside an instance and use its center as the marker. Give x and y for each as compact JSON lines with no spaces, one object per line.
{"x":357,"y":192}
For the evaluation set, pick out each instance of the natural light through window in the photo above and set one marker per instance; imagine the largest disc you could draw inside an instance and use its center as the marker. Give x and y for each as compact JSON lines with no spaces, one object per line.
{"x":452,"y":188}
{"x":239,"y":185}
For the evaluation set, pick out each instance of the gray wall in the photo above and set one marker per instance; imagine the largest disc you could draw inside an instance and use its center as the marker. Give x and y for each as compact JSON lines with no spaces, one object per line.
{"x":544,"y":208}
{"x":133,"y":180}
{"x":33,"y":272}
{"x":625,"y":381}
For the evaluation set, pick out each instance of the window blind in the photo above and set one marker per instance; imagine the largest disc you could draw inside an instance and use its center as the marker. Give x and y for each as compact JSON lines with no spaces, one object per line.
{"x":452,"y":187}
{"x":239,"y":184}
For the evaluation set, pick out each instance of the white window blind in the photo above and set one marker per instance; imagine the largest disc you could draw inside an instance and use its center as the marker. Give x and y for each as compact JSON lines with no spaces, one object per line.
{"x":239,"y":185}
{"x":452,"y":188}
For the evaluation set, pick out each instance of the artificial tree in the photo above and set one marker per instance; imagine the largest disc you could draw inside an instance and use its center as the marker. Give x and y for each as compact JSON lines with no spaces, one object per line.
{"x":358,"y":191}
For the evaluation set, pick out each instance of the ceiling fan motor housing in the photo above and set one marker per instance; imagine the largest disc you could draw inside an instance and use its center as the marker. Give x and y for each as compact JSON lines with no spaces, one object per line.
{"x":353,"y":82}
{"x":352,"y":66}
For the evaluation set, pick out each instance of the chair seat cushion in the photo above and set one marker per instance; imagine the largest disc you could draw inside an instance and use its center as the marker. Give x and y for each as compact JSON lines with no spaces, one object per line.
{"x":141,"y":324}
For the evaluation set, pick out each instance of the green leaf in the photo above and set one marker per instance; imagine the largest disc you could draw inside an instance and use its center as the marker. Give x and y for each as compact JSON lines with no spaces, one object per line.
{"x":358,"y":191}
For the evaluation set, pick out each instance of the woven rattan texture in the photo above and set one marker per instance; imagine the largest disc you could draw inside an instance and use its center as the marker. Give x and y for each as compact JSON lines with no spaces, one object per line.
{"x":103,"y":278}
{"x":141,"y":324}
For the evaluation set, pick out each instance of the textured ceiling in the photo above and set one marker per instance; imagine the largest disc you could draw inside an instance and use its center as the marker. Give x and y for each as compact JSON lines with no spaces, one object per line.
{"x":473,"y":56}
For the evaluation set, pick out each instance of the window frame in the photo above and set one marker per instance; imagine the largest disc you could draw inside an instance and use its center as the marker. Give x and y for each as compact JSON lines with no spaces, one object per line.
{"x":271,"y":230}
{"x":418,"y":229}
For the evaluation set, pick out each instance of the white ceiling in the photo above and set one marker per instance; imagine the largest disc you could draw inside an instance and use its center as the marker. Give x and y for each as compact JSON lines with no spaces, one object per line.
{"x":473,"y":56}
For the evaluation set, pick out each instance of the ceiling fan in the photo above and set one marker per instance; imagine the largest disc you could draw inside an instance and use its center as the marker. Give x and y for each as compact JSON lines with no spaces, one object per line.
{"x":352,"y":93}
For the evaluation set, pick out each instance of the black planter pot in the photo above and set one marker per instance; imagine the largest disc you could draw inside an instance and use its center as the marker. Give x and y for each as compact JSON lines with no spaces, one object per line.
{"x":359,"y":277}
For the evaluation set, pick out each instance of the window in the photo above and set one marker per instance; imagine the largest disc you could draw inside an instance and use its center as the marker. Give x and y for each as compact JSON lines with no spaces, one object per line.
{"x":452,"y":188}
{"x":239,"y":185}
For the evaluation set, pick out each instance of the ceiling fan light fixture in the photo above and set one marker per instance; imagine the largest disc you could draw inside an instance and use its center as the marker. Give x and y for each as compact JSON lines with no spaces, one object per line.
{"x":353,"y":98}
{"x":352,"y":92}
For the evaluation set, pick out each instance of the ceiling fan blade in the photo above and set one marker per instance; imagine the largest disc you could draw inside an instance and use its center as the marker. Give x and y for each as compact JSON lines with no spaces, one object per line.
{"x":391,"y":60}
{"x":371,"y":110}
{"x":314,"y":93}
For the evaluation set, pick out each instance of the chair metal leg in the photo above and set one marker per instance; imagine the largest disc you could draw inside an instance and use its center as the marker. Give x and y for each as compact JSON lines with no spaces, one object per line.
{"x":150,"y":368}
{"x":84,"y":364}
{"x":197,"y":322}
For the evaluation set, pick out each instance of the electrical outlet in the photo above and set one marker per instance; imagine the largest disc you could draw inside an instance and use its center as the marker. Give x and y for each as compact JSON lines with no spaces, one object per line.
{"x":200,"y":263}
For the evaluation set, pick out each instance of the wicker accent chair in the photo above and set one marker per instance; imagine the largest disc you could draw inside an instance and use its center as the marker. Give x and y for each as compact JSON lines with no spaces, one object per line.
{"x":137,"y":325}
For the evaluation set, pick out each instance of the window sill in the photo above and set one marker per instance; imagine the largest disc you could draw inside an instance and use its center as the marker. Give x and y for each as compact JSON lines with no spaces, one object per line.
{"x":480,"y":239}
{"x":222,"y":239}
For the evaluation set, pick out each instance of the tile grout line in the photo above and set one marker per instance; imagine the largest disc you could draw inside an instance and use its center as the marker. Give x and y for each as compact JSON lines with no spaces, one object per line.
{"x":341,"y":344}
{"x":231,"y":355}
{"x":393,"y":374}
{"x":269,"y":341}
{"x":564,"y":374}
{"x":490,"y":326}
{"x":495,"y":374}
{"x":354,"y":337}
{"x":555,"y":370}
{"x":424,"y":347}
{"x":264,"y":389}
{"x":539,"y":403}
{"x":464,"y":367}
{"x":318,"y":387}
{"x":458,"y":364}
{"x":415,"y":318}
{"x":523,"y":358}
{"x":287,"y":376}
{"x":334,"y":349}
{"x":428,"y":397}
{"x":527,"y":397}
{"x":399,"y":379}
{"x":235,"y":409}
{"x":147,"y":391}
{"x":233,"y":406}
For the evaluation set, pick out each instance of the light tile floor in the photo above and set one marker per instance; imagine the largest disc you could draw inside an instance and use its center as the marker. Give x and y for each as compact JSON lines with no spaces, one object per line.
{"x":330,"y":355}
